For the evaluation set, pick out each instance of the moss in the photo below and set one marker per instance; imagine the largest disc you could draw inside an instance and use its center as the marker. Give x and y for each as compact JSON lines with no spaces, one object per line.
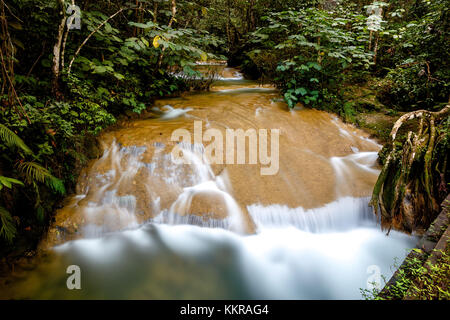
{"x":378,"y":124}
{"x":363,"y":109}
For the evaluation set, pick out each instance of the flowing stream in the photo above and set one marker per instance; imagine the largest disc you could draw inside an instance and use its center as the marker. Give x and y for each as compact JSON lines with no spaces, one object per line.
{"x":143,"y":226}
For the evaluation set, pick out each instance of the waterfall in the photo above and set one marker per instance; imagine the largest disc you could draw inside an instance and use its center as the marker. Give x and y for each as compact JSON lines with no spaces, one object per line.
{"x":343,"y":214}
{"x":143,"y":226}
{"x":189,"y":186}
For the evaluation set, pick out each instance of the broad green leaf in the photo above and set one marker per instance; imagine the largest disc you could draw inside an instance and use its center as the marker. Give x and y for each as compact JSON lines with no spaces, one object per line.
{"x":301,"y":91}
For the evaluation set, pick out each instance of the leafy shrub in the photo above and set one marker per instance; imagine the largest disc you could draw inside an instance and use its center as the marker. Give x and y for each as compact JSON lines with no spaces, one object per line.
{"x":310,"y":52}
{"x":412,"y":88}
{"x":415,"y":54}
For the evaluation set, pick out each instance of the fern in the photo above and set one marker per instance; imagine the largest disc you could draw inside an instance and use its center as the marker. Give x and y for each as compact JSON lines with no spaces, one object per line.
{"x":8,"y":182}
{"x":57,"y":185}
{"x":13,"y":140}
{"x":7,"y":229}
{"x":35,"y":172}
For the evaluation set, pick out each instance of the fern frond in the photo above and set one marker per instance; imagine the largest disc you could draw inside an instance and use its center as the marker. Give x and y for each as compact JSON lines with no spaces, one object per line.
{"x":7,"y":229}
{"x":13,"y":140}
{"x":33,"y":171}
{"x":57,"y":185}
{"x":8,"y":182}
{"x":36,"y":172}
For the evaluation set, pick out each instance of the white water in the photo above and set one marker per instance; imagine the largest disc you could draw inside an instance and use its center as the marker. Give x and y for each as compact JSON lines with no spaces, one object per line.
{"x":236,"y":75}
{"x":342,"y":215}
{"x":323,"y":253}
{"x":279,"y":262}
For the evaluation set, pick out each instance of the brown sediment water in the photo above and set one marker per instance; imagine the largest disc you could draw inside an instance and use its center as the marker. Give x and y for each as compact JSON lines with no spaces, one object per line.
{"x":142,"y":225}
{"x":320,"y":159}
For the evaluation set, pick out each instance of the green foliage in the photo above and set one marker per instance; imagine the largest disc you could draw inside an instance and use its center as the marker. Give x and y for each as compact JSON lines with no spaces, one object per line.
{"x":348,"y":112}
{"x":8,"y":182}
{"x":313,"y":51}
{"x":124,"y":73}
{"x":8,"y":228}
{"x":417,"y":279}
{"x":55,"y":128}
{"x":10,"y":139}
{"x":432,"y":280}
{"x":34,"y":172}
{"x":422,"y":280}
{"x":412,"y":88}
{"x":415,"y":53}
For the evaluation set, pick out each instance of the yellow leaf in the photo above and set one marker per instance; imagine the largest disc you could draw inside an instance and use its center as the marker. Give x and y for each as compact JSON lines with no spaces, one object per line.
{"x":204,"y":11}
{"x":204,"y":56}
{"x":155,"y":41}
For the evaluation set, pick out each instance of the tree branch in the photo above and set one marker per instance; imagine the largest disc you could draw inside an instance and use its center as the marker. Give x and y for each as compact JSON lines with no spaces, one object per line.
{"x":417,"y":114}
{"x":89,"y":36}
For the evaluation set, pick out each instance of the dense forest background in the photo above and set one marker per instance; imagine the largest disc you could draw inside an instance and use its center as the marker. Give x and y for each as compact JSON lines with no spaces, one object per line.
{"x":64,"y":79}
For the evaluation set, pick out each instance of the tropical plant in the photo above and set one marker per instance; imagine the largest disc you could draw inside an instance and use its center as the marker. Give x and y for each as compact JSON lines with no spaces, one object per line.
{"x":31,"y":172}
{"x":415,"y":51}
{"x":7,"y":229}
{"x":10,"y":139}
{"x":309,"y":52}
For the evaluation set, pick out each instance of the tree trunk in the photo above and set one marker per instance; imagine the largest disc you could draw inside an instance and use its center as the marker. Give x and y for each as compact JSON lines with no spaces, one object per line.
{"x":56,"y":68}
{"x":155,"y":12}
{"x":413,"y":179}
{"x":174,"y":12}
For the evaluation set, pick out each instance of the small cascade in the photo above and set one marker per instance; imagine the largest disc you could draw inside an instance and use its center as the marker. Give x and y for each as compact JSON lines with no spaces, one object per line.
{"x":127,"y":188}
{"x":104,"y":210}
{"x":231,"y":74}
{"x":168,"y":112}
{"x":352,"y":169}
{"x":341,"y":215}
{"x":221,"y":73}
{"x":171,"y":218}
{"x":364,"y":161}
{"x":207,"y":188}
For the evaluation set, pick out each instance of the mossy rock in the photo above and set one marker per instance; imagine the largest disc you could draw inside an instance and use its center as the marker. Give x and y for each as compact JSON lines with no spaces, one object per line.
{"x":363,"y":97}
{"x":378,"y":124}
{"x":92,"y":147}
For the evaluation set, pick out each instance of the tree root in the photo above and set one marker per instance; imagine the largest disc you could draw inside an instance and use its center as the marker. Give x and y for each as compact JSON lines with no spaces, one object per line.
{"x":411,"y":182}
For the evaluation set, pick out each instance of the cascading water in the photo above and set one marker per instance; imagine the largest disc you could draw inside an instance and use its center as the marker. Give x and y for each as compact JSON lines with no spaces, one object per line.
{"x":143,"y":226}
